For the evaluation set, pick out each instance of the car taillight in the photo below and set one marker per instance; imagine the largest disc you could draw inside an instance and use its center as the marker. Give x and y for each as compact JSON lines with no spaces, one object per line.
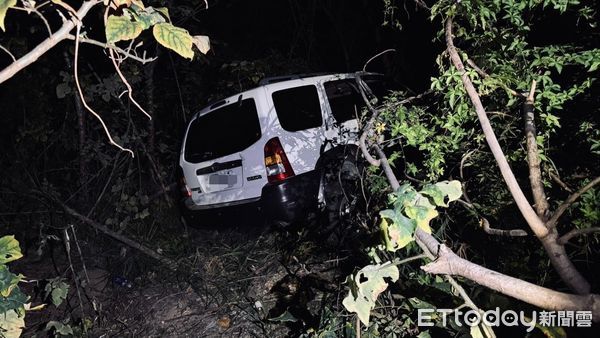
{"x":276,"y":162}
{"x":185,"y":190}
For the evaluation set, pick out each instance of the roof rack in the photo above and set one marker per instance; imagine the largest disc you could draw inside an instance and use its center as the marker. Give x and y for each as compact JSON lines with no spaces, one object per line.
{"x":275,"y":79}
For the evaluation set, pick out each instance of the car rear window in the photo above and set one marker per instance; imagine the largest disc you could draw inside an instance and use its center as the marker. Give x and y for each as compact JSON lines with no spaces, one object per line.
{"x":298,"y":108}
{"x":345,"y":99}
{"x":222,"y":132}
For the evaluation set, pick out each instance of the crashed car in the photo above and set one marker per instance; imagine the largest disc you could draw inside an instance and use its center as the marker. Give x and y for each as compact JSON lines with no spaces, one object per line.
{"x":288,"y":145}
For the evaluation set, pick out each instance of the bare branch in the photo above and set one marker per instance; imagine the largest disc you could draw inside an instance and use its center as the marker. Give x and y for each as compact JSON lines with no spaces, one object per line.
{"x":556,"y":252}
{"x":47,"y":44}
{"x":76,"y":75}
{"x":376,"y":56}
{"x":483,"y":74}
{"x":533,"y":157}
{"x":448,"y":262}
{"x":530,"y":216}
{"x":124,"y":80}
{"x":570,"y":200}
{"x":485,"y":224}
{"x":560,"y":182}
{"x":36,"y":12}
{"x":8,"y":52}
{"x":108,"y":46}
{"x":576,"y":232}
{"x":168,"y":263}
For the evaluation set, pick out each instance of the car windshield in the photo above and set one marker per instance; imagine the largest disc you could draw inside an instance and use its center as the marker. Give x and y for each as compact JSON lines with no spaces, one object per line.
{"x":222,"y":132}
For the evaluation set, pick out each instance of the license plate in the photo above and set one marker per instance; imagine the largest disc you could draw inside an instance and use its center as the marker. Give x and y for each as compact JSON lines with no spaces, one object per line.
{"x":223,"y":179}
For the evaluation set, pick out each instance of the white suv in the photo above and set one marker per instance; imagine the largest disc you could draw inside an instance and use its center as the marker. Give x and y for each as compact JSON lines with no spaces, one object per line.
{"x":271,"y":144}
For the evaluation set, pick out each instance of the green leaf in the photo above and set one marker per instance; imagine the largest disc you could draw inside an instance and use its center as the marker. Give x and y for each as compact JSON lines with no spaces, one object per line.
{"x":11,"y":324}
{"x":58,"y":291}
{"x":174,"y":38}
{"x":284,"y":317}
{"x":422,"y":212}
{"x":369,"y":284}
{"x":442,"y":190}
{"x":399,"y":232}
{"x":119,"y":28}
{"x":149,"y":16}
{"x":4,"y":6}
{"x":9,"y":249}
{"x":8,"y":281}
{"x":60,"y":328}
{"x":424,"y":334}
{"x":15,"y":301}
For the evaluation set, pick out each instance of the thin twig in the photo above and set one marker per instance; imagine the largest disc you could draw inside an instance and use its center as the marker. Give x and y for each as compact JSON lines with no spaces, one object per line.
{"x":576,"y":232}
{"x":485,"y":224}
{"x":483,"y":74}
{"x":9,"y":53}
{"x":38,"y":13}
{"x":113,"y":47}
{"x":126,"y":83}
{"x":376,"y":56}
{"x":560,"y":182}
{"x":572,"y":199}
{"x":75,"y":71}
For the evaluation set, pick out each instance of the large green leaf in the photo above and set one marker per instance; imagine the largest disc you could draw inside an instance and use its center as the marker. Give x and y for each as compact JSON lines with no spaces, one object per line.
{"x":174,"y":38}
{"x":15,"y":301}
{"x":4,"y":6}
{"x":8,"y":281}
{"x":119,"y":28}
{"x":9,"y":249}
{"x":60,"y":328}
{"x":57,"y":289}
{"x":399,"y":232}
{"x":440,"y":191}
{"x":422,"y":211}
{"x":369,"y":283}
{"x":11,"y":324}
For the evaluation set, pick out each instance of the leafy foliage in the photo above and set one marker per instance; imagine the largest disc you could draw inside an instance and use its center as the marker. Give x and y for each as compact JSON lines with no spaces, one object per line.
{"x":366,"y":286}
{"x":175,"y":38}
{"x":12,"y":300}
{"x":411,"y":209}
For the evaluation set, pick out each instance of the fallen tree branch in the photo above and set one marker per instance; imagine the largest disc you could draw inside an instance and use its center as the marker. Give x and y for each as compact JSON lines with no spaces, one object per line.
{"x":570,"y":200}
{"x":47,"y":44}
{"x":576,"y":232}
{"x":547,"y":236}
{"x":449,"y":263}
{"x":168,"y":263}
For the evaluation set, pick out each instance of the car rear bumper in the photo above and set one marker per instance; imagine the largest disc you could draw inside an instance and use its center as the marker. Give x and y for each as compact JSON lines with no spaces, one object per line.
{"x":190,"y":205}
{"x":290,"y":200}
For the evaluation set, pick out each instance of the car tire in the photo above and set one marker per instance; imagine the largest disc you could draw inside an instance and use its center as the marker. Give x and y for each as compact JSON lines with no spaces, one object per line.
{"x":343,"y":196}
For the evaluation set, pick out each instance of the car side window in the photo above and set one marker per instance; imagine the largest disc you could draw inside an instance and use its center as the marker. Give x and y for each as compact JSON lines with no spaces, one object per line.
{"x":344,"y":99}
{"x":298,"y":108}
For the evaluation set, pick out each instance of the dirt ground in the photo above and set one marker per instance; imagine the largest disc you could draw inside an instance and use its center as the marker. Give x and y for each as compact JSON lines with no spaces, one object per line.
{"x":231,"y":282}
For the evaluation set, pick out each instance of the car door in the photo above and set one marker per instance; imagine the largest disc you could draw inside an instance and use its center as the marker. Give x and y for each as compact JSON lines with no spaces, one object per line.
{"x":297,"y":119}
{"x":222,"y":158}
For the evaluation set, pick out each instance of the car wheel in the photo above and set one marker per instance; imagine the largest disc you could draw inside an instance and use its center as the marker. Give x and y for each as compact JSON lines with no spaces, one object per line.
{"x":343,"y":196}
